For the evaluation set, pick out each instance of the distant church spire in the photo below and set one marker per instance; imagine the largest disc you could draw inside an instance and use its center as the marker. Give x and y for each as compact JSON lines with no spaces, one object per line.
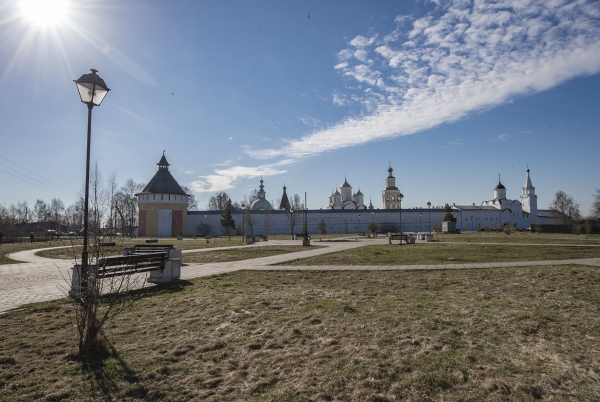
{"x":285,"y":202}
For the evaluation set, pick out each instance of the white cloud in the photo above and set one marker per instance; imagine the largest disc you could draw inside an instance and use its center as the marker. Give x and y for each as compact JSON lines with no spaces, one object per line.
{"x":225,"y":179}
{"x":345,"y":54}
{"x":456,"y":143}
{"x":338,"y":100}
{"x":458,"y":59}
{"x":361,"y":41}
{"x":501,"y":137}
{"x":361,"y":55}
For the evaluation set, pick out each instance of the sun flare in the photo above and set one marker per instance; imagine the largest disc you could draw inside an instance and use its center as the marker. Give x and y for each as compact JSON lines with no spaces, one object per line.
{"x":44,"y":12}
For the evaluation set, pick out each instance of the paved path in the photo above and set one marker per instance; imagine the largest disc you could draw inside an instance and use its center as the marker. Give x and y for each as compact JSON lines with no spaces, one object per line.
{"x":40,"y":279}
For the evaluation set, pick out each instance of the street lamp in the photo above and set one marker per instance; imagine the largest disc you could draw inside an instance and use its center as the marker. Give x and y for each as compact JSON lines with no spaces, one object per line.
{"x":471,"y":223}
{"x":420,"y":214}
{"x":429,"y":218}
{"x":400,"y":198}
{"x":92,"y":91}
{"x":244,"y":221}
{"x":293,"y":221}
{"x":359,"y":224}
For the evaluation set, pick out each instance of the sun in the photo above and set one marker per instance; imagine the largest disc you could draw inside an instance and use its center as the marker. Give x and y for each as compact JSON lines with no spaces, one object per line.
{"x":44,"y":12}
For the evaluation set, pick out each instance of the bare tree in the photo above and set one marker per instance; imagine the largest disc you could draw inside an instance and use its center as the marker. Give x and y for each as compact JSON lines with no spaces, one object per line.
{"x":192,"y":202}
{"x":205,"y":229}
{"x":249,"y":199}
{"x":97,"y":200}
{"x":268,"y":221}
{"x":218,"y":201}
{"x":293,"y":214}
{"x":41,"y":211}
{"x":100,"y":302}
{"x":595,"y":209}
{"x":126,"y":202}
{"x":111,"y":190}
{"x":564,"y":208}
{"x":56,"y":209}
{"x":250,"y":221}
{"x":373,"y":227}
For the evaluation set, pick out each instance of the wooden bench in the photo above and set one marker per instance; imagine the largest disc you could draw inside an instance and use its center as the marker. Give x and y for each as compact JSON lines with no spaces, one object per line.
{"x":150,"y":248}
{"x":131,"y":264}
{"x":399,"y":237}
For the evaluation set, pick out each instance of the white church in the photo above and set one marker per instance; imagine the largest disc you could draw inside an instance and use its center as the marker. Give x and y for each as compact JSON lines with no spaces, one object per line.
{"x":162,"y":211}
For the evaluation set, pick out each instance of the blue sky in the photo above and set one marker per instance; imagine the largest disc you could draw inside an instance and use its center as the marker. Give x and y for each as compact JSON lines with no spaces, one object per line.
{"x":451,"y":93}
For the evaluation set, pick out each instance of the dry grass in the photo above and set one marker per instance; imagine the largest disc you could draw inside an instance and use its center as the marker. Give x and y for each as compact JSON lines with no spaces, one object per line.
{"x":240,"y":254}
{"x":517,"y":237}
{"x":187,"y":244}
{"x":496,"y":334}
{"x":445,"y":253}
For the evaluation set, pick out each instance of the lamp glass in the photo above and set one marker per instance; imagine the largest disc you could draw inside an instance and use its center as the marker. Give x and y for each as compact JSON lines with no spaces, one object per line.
{"x":91,"y":93}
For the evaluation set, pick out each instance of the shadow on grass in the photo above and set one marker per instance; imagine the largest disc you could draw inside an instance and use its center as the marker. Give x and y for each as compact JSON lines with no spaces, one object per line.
{"x":160,"y":288}
{"x":109,"y":373}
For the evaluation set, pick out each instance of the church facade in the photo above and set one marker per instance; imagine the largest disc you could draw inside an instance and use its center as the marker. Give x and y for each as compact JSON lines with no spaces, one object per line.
{"x":344,"y":199}
{"x":163,"y":212}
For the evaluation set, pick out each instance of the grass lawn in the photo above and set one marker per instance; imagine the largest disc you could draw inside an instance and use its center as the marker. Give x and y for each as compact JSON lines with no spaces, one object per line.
{"x":187,"y":244}
{"x":239,"y":254}
{"x":445,"y":253}
{"x":517,"y":237}
{"x":471,"y":335}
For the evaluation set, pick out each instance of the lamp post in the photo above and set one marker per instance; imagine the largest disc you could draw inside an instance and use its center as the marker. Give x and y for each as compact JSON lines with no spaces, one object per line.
{"x":400,"y":198}
{"x":359,"y":224}
{"x":471,"y":223}
{"x":420,"y":214}
{"x":293,"y":221}
{"x":429,"y":217}
{"x":244,"y":222}
{"x":92,"y":91}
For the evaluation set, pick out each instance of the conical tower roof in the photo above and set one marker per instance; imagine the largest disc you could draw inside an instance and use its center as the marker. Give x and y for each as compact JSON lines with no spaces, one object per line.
{"x":285,"y":202}
{"x":163,"y":182}
{"x":499,"y":186}
{"x":528,"y":180}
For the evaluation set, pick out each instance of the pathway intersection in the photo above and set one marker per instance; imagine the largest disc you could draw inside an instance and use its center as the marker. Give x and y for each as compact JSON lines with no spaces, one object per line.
{"x":39,"y":279}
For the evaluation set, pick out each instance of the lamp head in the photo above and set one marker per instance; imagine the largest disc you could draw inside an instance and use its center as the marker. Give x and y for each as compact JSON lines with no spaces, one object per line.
{"x":92,"y":88}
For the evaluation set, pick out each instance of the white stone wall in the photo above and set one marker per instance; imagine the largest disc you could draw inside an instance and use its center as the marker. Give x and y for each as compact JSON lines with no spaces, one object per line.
{"x":337,"y":221}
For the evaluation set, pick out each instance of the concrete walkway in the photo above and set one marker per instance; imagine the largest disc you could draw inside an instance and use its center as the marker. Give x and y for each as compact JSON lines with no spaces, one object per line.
{"x":39,"y":279}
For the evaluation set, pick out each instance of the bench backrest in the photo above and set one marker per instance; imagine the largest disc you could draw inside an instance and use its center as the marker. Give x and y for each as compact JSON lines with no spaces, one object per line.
{"x":151,"y":247}
{"x":134,"y":260}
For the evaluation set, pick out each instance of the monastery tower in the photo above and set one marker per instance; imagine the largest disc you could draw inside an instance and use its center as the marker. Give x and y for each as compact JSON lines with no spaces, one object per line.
{"x":390,"y":195}
{"x":162,"y":205}
{"x":528,"y":197}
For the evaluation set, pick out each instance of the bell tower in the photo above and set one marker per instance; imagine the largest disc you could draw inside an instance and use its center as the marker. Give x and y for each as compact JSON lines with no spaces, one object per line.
{"x":528,"y":197}
{"x":390,"y":195}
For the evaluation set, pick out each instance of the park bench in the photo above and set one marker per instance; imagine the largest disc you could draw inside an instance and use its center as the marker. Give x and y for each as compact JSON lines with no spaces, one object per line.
{"x":131,"y":264}
{"x":398,"y":237}
{"x":151,"y":248}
